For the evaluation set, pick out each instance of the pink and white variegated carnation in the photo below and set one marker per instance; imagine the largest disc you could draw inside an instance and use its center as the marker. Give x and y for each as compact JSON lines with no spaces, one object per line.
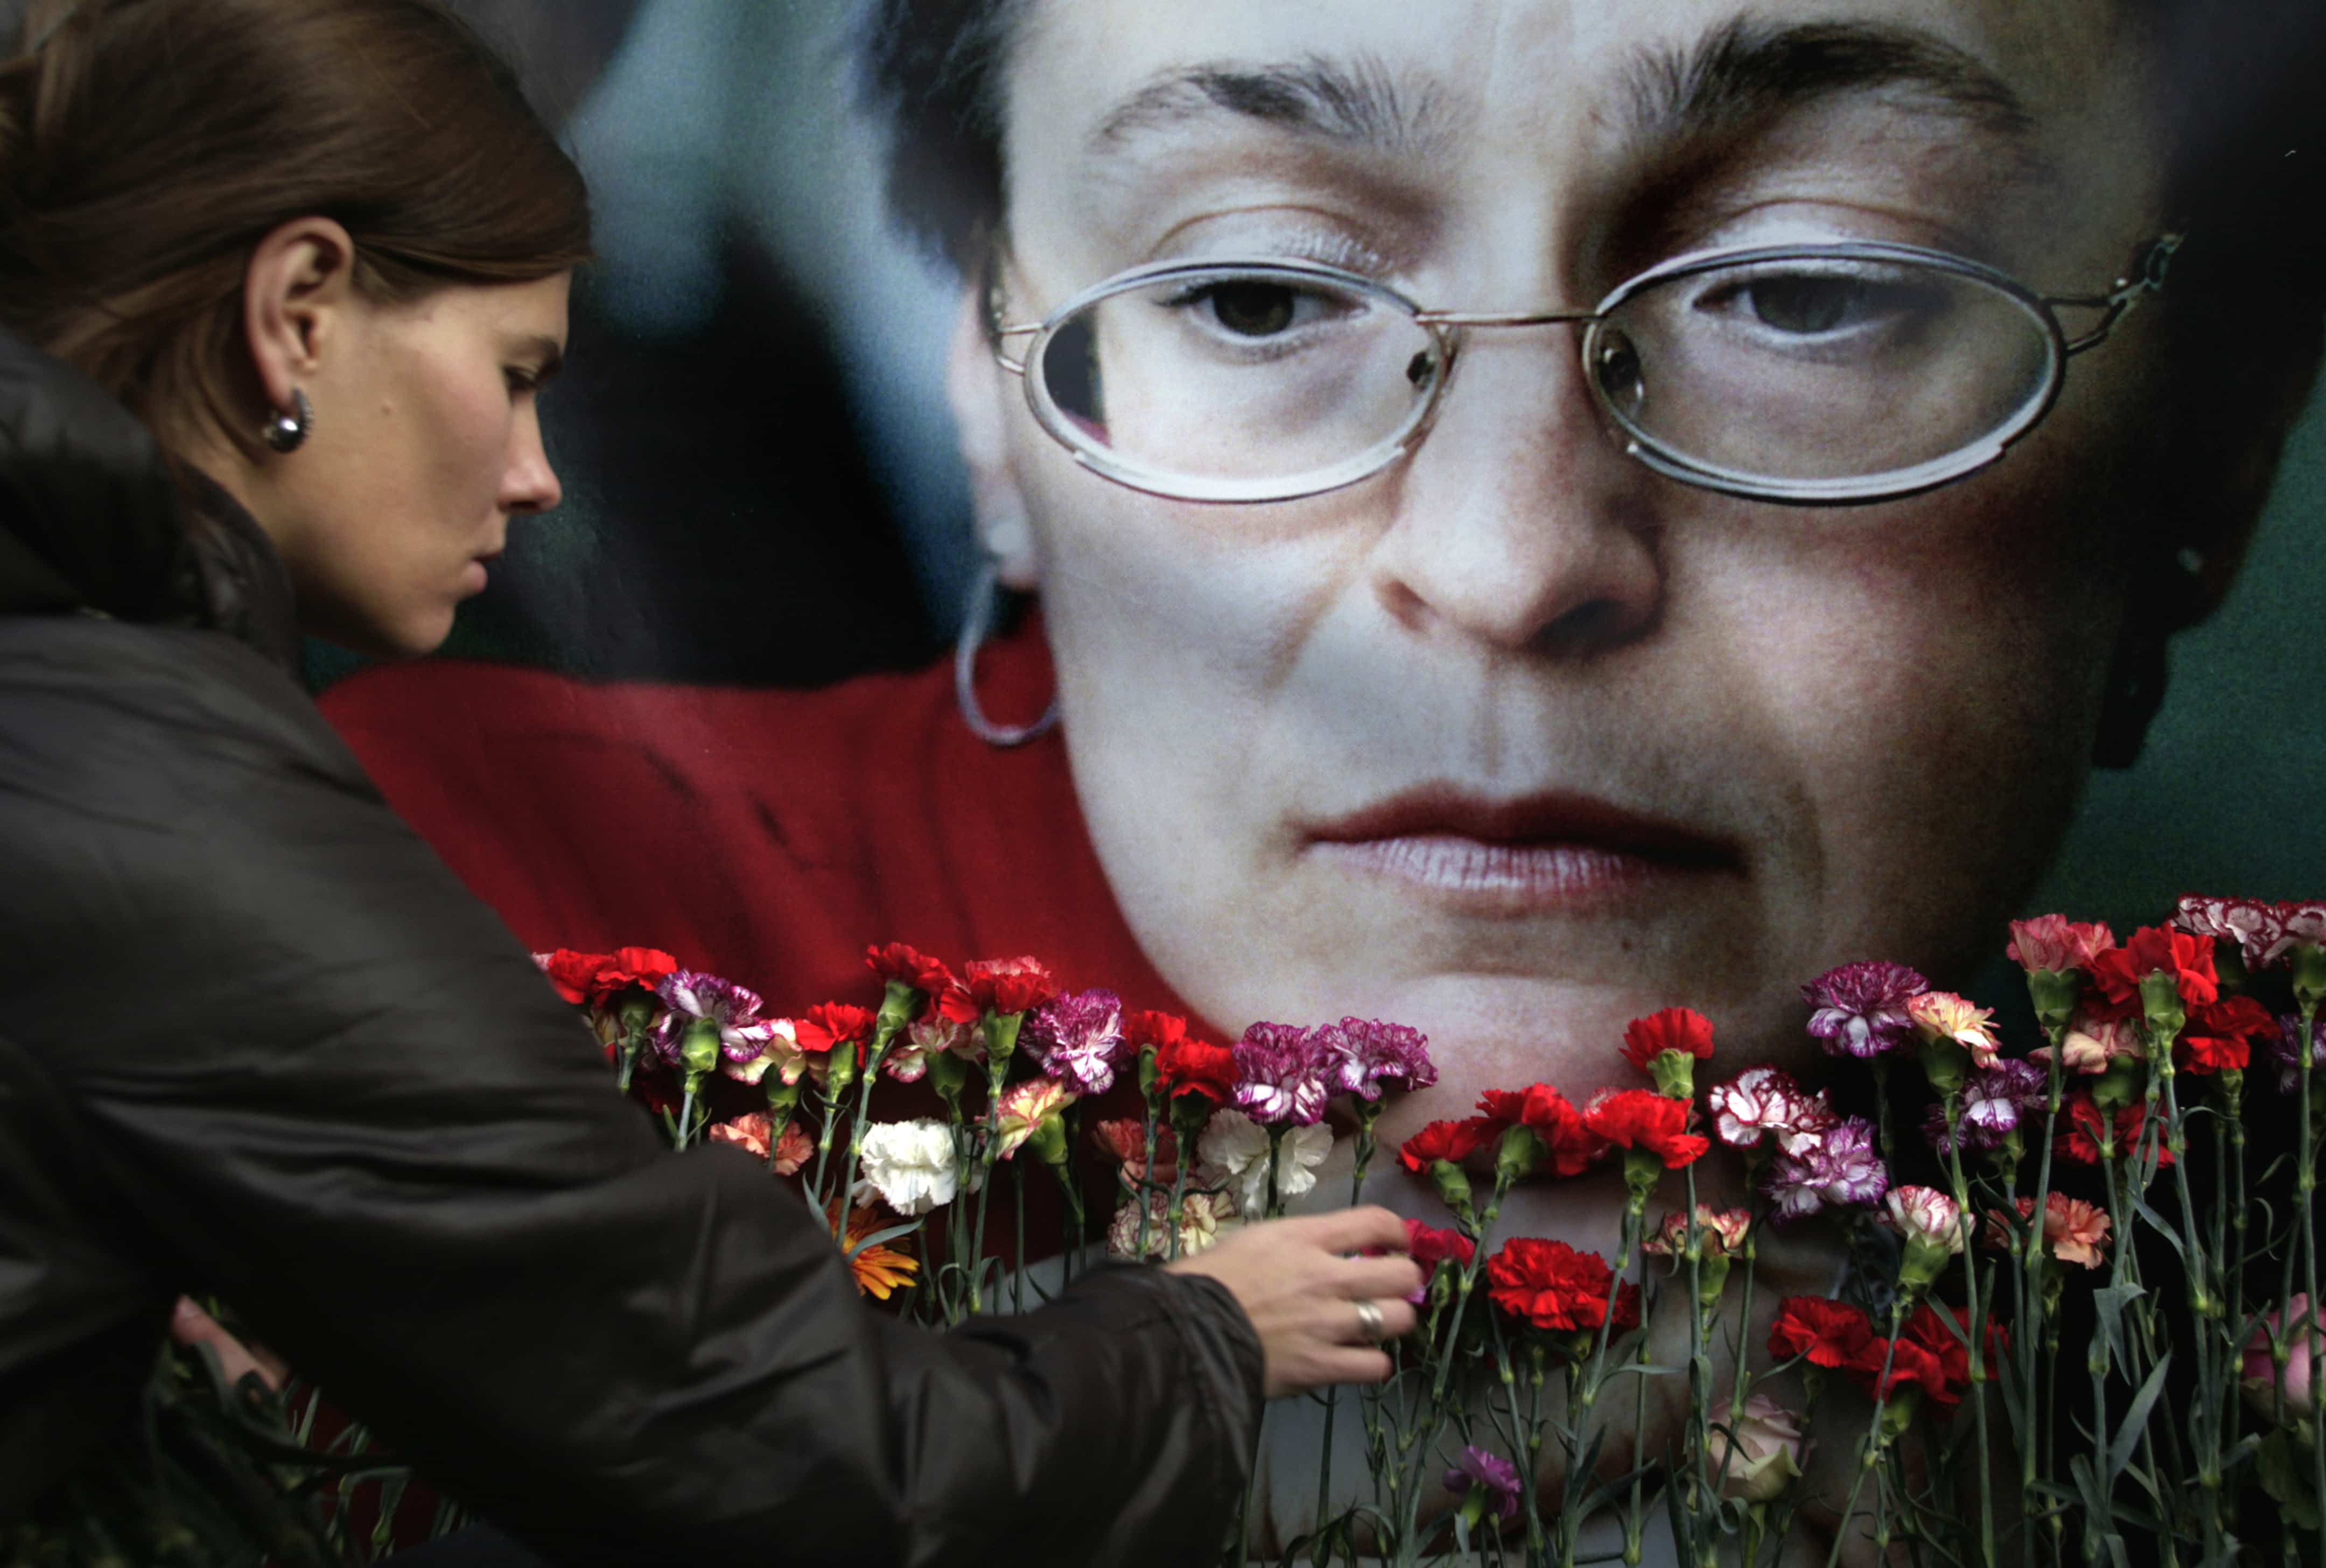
{"x":2092,"y":1041}
{"x":689,"y":994}
{"x":1202,"y":1216}
{"x":907,"y":1061}
{"x":1844,"y":1168}
{"x":1926,"y":1215}
{"x":2256,"y":926}
{"x":2053,"y":942}
{"x":1944,"y":1015}
{"x":1077,"y":1037}
{"x":1364,"y":1057}
{"x":1766,"y":1102}
{"x":1861,"y":1008}
{"x":1280,"y":1072}
{"x":1022,"y":1109}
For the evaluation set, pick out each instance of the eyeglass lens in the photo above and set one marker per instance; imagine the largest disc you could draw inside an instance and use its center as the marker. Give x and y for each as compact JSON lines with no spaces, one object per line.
{"x":1247,"y":382}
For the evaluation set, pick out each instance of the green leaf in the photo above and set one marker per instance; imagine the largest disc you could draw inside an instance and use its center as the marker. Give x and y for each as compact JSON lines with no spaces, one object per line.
{"x":2111,"y":1302}
{"x":2286,"y":1477}
{"x":2136,"y":1420}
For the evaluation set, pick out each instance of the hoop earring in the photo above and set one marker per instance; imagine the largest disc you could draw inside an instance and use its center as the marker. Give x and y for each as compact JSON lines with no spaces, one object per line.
{"x":287,"y":432}
{"x":976,"y":626}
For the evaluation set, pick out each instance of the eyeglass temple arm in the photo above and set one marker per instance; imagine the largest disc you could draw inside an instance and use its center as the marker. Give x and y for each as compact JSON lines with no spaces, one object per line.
{"x":2146,"y":276}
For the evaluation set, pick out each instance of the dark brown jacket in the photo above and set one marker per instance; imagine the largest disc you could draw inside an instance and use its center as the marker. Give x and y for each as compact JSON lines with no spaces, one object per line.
{"x":256,"y":1040}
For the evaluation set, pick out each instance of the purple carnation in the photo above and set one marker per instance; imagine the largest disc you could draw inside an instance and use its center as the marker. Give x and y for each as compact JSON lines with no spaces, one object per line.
{"x":1364,"y":1057}
{"x":2286,"y":1054}
{"x":689,"y":994}
{"x":1993,"y":1102}
{"x":1861,"y":1008}
{"x":1498,"y":1475}
{"x":1280,"y":1076}
{"x":1077,"y":1037}
{"x":1843,"y":1168}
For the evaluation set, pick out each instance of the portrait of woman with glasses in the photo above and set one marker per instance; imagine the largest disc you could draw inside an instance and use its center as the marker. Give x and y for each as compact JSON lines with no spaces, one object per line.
{"x":1536,"y":511}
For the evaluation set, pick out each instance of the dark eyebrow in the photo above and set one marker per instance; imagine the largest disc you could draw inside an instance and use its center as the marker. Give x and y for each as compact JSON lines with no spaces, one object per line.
{"x":1358,"y":103}
{"x":1747,"y":70}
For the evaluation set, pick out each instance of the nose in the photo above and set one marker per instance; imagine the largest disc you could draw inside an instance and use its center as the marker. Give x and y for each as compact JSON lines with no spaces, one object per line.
{"x":1519,"y":520}
{"x":529,"y":483}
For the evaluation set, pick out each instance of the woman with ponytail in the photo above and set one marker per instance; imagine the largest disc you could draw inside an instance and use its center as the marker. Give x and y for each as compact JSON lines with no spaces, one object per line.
{"x":280,"y":281}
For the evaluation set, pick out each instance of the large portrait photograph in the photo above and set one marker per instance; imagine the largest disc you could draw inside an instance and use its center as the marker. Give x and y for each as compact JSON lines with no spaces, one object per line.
{"x":1306,"y":782}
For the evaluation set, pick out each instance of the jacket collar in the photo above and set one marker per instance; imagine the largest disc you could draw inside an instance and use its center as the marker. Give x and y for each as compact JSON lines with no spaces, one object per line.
{"x":94,"y":521}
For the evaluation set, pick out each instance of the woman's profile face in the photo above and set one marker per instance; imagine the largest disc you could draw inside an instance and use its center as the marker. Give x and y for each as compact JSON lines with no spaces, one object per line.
{"x":1517,"y":740}
{"x":426,"y":442}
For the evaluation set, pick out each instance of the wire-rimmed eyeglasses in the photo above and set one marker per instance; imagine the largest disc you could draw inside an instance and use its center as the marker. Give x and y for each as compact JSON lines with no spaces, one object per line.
{"x":1813,"y":375}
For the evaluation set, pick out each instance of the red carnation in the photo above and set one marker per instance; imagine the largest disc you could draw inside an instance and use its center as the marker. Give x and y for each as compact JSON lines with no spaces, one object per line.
{"x":1191,"y":1066}
{"x":593,"y":977}
{"x":1643,"y":1119}
{"x":1571,"y":1147}
{"x":1429,"y":1246}
{"x":830,"y":1024}
{"x":1007,"y":986}
{"x":1830,"y":1333}
{"x":1453,"y":1141}
{"x":2086,"y":1123}
{"x":1683,"y":1030}
{"x":909,"y":966}
{"x":1951,"y":1351}
{"x":1157,"y":1029}
{"x":1554,"y":1286}
{"x":1909,"y":1365}
{"x":2155,"y":949}
{"x":2219,"y":1037}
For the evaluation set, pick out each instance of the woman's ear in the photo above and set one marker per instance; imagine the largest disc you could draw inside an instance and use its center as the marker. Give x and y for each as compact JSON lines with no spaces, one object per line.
{"x":296,"y":296}
{"x":976,"y":384}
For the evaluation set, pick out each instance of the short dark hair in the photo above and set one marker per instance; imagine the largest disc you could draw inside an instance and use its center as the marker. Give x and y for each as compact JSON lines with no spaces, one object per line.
{"x":2247,"y":82}
{"x":146,"y":146}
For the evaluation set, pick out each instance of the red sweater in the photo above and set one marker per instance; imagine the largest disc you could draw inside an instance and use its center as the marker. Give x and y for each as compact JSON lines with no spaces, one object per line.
{"x":766,"y":836}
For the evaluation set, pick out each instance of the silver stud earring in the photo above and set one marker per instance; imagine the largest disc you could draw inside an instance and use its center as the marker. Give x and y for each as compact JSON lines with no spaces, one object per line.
{"x":976,"y":626}
{"x":287,"y":432}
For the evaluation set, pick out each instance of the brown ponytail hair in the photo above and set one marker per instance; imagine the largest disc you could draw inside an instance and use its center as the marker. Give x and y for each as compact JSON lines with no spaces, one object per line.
{"x":146,"y":146}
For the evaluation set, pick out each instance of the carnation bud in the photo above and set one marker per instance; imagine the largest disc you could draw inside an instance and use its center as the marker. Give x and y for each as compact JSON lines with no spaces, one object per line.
{"x":1048,"y":1142}
{"x":2309,"y":965}
{"x":1674,"y":1072}
{"x":898,"y":1002}
{"x":840,"y":1068}
{"x":1518,"y":1154}
{"x":948,"y":1073}
{"x":2159,"y":1003}
{"x":698,"y":1047}
{"x":2053,"y":992}
{"x":1147,"y":1073}
{"x":1453,"y":1186}
{"x":1946,"y":1063}
{"x":2120,"y":1085}
{"x":1643,"y":1169}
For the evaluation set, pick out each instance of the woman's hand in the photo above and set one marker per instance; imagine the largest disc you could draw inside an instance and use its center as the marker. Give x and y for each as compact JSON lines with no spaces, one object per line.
{"x":1301,"y":1290}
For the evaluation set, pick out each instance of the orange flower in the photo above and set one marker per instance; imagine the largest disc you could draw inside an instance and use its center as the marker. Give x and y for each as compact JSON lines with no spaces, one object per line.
{"x":878,"y":1268}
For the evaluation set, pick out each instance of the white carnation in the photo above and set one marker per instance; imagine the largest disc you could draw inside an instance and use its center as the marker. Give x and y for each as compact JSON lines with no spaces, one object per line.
{"x":1233,"y":1153}
{"x":910,"y":1164}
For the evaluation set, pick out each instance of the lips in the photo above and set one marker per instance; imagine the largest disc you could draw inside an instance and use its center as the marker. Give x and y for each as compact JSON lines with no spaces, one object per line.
{"x":1530,"y":854}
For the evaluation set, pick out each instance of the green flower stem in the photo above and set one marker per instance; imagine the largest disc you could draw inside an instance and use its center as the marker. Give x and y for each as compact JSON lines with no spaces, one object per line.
{"x":1368,"y":1112}
{"x":2034,"y":1299}
{"x":2205,"y":1297}
{"x":1870,"y":1454}
{"x":1699,"y":1391}
{"x":1635,"y":1205}
{"x":1968,"y":1223}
